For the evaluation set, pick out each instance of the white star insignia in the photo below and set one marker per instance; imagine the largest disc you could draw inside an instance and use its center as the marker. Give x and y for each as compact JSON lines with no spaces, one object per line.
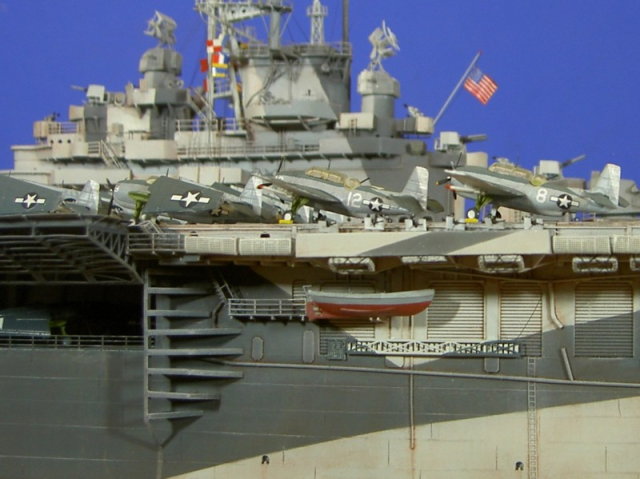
{"x":30,"y":200}
{"x":376,"y":204}
{"x":564,"y":201}
{"x":190,"y":197}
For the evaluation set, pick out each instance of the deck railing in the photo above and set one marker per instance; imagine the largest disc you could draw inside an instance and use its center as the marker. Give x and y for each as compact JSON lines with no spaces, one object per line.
{"x":156,"y":243}
{"x":63,"y":127}
{"x":193,"y":151}
{"x":260,"y":309}
{"x":71,"y":342}
{"x":216,"y":124}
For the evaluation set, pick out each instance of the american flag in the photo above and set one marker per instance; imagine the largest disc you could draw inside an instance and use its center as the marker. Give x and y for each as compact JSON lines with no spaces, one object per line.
{"x":480,"y":85}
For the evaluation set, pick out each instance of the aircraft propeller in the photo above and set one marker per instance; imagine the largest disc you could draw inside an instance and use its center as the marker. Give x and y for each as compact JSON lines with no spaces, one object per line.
{"x":445,"y":181}
{"x":112,"y":188}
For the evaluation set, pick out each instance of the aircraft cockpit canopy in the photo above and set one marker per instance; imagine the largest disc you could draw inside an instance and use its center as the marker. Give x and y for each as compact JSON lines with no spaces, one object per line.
{"x":332,"y":176}
{"x":510,"y":169}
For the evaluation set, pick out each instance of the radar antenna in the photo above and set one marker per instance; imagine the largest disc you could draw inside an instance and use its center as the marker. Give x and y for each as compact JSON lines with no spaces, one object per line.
{"x":385,"y":45}
{"x":162,"y":27}
{"x":317,"y":12}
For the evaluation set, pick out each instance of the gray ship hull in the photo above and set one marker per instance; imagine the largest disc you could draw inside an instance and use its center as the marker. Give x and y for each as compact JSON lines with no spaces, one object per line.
{"x":70,"y":413}
{"x":229,"y":379}
{"x":185,"y":350}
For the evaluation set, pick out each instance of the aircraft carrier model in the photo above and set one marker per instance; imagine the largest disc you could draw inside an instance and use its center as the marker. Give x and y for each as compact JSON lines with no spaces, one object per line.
{"x":416,"y":347}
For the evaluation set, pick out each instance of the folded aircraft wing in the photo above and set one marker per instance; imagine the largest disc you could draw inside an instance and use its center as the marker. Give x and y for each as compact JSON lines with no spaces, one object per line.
{"x":181,"y":198}
{"x":19,"y":197}
{"x":304,"y":191}
{"x":485,"y":183}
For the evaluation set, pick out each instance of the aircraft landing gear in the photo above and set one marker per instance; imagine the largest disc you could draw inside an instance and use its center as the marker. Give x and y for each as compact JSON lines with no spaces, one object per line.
{"x":472,"y":216}
{"x":495,"y":215}
{"x":374,"y":222}
{"x":287,"y":218}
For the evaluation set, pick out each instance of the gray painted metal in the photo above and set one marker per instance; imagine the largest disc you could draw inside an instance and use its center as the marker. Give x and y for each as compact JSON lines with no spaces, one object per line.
{"x":457,"y":312}
{"x":613,"y":301}
{"x":202,"y":386}
{"x":521,"y":307}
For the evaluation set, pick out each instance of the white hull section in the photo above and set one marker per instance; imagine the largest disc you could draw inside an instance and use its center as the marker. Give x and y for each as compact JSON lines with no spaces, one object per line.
{"x":586,"y":441}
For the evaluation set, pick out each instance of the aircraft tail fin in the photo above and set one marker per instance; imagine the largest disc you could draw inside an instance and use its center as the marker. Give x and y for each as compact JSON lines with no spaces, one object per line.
{"x":608,"y":183}
{"x":252,"y":194}
{"x":418,"y":186}
{"x":91,"y":195}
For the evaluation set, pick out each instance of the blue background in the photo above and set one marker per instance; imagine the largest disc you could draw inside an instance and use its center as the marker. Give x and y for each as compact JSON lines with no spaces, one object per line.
{"x":567,"y":70}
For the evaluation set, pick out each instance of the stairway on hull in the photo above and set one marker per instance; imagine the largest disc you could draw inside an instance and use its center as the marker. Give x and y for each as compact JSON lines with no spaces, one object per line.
{"x":184,"y":347}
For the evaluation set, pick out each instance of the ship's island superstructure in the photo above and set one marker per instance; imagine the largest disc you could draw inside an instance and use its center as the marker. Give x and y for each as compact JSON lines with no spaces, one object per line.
{"x":290,"y":106}
{"x":409,"y":349}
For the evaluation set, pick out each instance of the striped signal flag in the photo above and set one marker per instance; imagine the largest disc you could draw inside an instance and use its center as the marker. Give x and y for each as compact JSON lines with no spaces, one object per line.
{"x":480,"y":85}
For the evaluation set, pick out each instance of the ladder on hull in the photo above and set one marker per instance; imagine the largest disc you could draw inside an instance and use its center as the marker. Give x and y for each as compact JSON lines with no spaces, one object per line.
{"x":532,"y":421}
{"x":181,"y":343}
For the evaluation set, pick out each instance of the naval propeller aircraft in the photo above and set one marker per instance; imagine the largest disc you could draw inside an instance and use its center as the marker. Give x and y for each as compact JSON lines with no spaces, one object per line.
{"x":128,"y":197}
{"x":508,"y":185}
{"x":18,"y":196}
{"x":219,"y":203}
{"x":335,"y":192}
